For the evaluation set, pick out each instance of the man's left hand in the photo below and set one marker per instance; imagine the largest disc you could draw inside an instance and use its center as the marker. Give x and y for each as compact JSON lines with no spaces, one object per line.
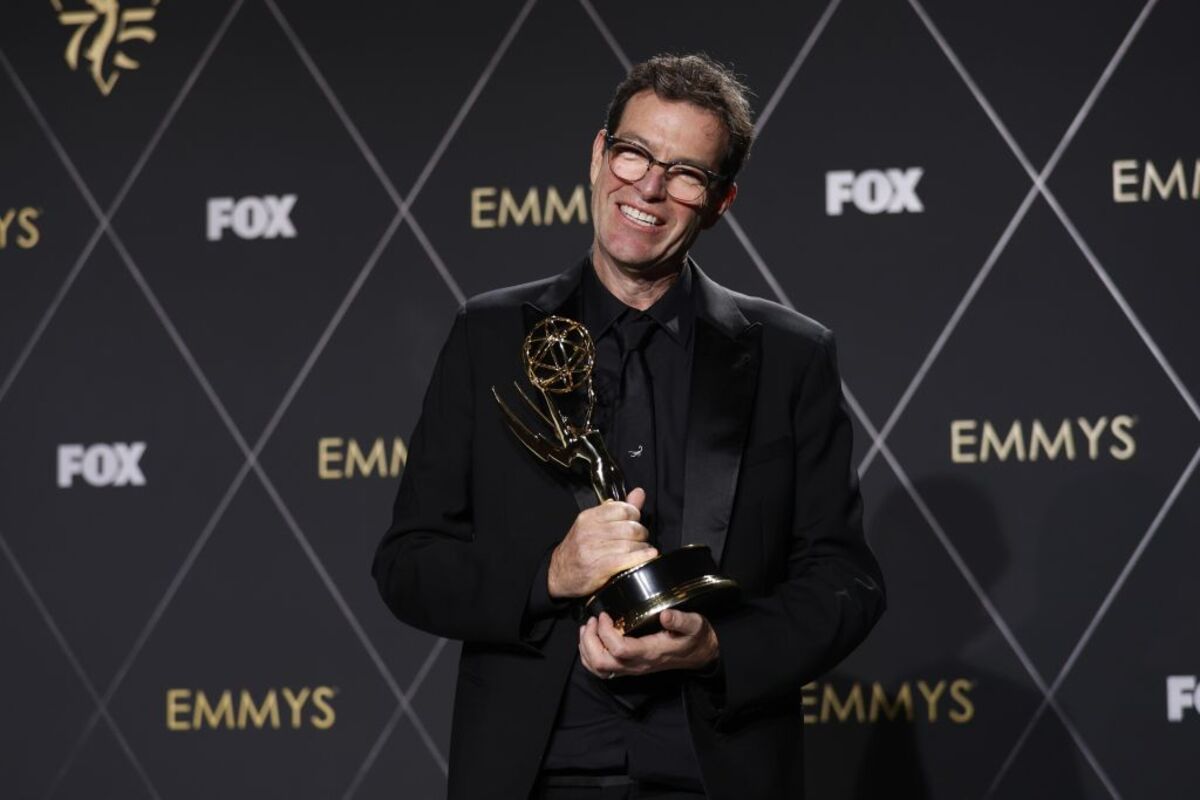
{"x":687,"y":641}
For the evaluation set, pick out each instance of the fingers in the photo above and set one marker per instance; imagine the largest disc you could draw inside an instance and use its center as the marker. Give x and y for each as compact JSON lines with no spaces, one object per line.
{"x":617,"y":510}
{"x":603,"y":541}
{"x":605,"y":651}
{"x":612,"y":651}
{"x":634,"y":531}
{"x":621,"y":528}
{"x":619,"y":547}
{"x":592,"y":653}
{"x":681,"y":622}
{"x":613,"y":640}
{"x":636,"y":498}
{"x":632,"y":559}
{"x":600,"y":567}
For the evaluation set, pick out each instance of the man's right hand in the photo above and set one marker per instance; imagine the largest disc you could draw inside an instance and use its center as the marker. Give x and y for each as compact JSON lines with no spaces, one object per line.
{"x":603,"y":541}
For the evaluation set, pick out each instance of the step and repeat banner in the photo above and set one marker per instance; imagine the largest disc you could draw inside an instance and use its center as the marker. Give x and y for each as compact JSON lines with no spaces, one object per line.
{"x":233,"y":236}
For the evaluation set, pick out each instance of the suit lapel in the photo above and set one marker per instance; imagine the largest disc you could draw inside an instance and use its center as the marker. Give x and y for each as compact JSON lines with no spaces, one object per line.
{"x":561,"y":296}
{"x":725,"y":362}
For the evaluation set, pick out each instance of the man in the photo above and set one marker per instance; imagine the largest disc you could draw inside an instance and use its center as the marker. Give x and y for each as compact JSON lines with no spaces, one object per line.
{"x":724,"y":412}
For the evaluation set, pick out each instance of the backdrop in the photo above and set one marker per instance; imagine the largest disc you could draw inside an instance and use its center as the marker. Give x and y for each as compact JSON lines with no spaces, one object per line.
{"x":233,"y":236}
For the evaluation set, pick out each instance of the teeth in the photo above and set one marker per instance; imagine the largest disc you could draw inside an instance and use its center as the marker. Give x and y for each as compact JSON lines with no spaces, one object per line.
{"x":640,"y":216}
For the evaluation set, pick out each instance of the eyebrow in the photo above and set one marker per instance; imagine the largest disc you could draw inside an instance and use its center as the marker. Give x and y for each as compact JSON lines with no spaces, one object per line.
{"x":691,"y":162}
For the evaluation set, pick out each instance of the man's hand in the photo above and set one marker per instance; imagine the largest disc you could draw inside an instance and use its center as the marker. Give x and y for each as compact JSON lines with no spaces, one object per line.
{"x":687,"y":641}
{"x":603,"y":541}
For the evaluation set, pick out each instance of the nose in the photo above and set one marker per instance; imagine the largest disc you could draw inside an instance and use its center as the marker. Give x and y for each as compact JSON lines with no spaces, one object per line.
{"x":653,"y":185}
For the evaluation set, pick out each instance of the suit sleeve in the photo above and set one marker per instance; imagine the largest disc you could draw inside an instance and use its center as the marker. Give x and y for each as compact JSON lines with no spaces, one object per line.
{"x":834,"y":591}
{"x":436,"y":567}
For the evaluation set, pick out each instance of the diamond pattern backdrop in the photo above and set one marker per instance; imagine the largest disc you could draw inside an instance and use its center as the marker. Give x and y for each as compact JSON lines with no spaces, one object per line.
{"x":232,"y":239}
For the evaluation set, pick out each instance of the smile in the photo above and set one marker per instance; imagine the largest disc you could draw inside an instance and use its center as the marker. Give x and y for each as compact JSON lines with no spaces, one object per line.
{"x":640,"y":217}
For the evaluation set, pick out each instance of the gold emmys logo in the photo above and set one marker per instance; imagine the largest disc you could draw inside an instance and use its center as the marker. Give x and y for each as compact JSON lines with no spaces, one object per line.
{"x":26,"y":233}
{"x":979,"y":441}
{"x":339,"y":458}
{"x":537,"y":207}
{"x":1136,"y":181}
{"x":110,"y":26}
{"x":196,"y":710}
{"x":933,"y":701}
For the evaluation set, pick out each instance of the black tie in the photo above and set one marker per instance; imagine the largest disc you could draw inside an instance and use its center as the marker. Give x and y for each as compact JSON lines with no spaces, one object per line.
{"x":633,"y":437}
{"x":634,"y":429}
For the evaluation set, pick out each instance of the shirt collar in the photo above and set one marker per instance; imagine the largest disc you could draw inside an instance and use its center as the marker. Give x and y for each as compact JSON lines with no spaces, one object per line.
{"x":674,"y":311}
{"x":600,"y":307}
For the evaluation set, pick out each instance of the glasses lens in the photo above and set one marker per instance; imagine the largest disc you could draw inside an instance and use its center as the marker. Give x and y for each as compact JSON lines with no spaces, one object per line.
{"x":628,"y":163}
{"x":631,"y":163}
{"x":686,"y":184}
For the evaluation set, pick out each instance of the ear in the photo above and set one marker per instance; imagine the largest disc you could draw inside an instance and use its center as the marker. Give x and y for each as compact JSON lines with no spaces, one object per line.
{"x":717,"y":209}
{"x":597,"y":156}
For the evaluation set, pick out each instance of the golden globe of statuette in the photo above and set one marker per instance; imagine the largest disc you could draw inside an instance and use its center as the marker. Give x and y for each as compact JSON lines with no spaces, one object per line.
{"x":559,"y":355}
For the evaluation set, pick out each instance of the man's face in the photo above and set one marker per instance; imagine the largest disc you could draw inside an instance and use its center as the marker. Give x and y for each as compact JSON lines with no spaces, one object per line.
{"x":639,"y":228}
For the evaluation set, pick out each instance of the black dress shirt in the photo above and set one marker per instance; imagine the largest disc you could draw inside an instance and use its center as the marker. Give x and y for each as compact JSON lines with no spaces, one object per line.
{"x":633,"y":725}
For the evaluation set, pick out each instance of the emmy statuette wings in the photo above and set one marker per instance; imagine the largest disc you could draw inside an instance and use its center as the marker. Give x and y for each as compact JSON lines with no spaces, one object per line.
{"x":559,"y":355}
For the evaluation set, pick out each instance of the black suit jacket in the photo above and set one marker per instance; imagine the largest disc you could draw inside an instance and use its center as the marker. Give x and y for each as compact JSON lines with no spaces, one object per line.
{"x":770,"y":487}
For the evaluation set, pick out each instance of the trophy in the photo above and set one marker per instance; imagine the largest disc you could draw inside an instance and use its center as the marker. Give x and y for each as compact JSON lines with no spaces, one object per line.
{"x":558,"y":355}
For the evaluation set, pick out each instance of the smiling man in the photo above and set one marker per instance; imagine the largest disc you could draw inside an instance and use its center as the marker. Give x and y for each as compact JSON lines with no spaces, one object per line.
{"x":724,"y":411}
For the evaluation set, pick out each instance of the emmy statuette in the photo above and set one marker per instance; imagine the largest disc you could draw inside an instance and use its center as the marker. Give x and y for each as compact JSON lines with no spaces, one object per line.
{"x":558,"y":355}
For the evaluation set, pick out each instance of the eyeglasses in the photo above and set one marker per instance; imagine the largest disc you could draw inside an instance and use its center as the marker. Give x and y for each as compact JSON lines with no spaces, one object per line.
{"x":630,"y":162}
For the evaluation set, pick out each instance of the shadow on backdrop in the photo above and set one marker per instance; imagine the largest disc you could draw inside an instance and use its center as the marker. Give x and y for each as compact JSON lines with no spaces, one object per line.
{"x":969,"y":696}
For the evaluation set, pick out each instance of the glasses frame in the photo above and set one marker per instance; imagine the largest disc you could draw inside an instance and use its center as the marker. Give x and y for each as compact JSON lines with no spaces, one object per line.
{"x":713,"y":178}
